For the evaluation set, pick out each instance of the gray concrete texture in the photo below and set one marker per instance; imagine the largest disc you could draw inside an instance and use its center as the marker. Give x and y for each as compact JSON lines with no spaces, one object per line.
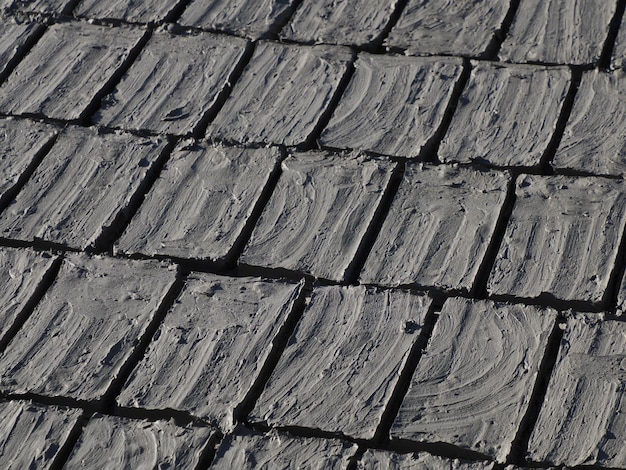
{"x":286,"y":234}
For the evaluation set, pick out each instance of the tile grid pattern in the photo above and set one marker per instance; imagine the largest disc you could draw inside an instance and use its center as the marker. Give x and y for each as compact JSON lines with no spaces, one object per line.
{"x":563,"y":187}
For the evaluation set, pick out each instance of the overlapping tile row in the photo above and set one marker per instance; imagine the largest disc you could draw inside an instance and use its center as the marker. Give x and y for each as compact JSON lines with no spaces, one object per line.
{"x":408,"y":198}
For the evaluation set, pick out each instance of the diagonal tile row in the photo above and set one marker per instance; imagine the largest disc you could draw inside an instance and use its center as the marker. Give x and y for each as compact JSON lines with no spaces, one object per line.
{"x":107,"y":336}
{"x":158,"y":94}
{"x":562,"y":239}
{"x":336,"y":374}
{"x":531,"y":31}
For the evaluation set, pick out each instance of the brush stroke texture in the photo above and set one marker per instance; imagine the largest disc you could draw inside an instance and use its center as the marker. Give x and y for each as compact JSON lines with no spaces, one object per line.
{"x":318,"y":213}
{"x":85,"y":327}
{"x":392,"y":105}
{"x":211,"y":346}
{"x":473,"y":384}
{"x":561,"y":239}
{"x":343,"y":360}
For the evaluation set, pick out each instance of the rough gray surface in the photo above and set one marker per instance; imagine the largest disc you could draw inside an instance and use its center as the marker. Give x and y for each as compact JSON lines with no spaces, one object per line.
{"x":173,"y":83}
{"x":66,"y":69}
{"x":594,"y":140}
{"x":85,"y":327}
{"x":473,"y":384}
{"x":275,"y":451}
{"x":381,"y":460}
{"x":34,"y":6}
{"x":459,"y":27}
{"x":112,"y":442}
{"x":250,"y":18}
{"x":21,"y":272}
{"x":13,"y":37}
{"x":582,"y":418}
{"x":343,"y":360}
{"x":20,"y":143}
{"x":85,"y":181}
{"x":281,"y":94}
{"x":438,"y":228}
{"x":553,"y":31}
{"x":134,"y":11}
{"x":393,"y":104}
{"x":318,"y":213}
{"x":211,"y":346}
{"x":357,"y":22}
{"x":30,"y":435}
{"x":562,"y":238}
{"x":512,"y":112}
{"x":201,"y":202}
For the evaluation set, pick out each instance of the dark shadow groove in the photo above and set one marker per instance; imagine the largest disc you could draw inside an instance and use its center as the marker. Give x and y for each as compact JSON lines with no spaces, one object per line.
{"x":479,"y":288}
{"x":440,"y":449}
{"x":22,"y":51}
{"x":546,"y":299}
{"x":44,"y":284}
{"x":282,"y":21}
{"x":210,"y":450}
{"x":500,"y":34}
{"x":311,"y":142}
{"x":108,"y":236}
{"x":566,"y":110}
{"x":85,"y":117}
{"x":279,"y":343}
{"x":381,"y":436}
{"x":604,"y":61}
{"x":428,"y":152}
{"x":611,"y":294}
{"x":242,"y":239}
{"x":200,"y":129}
{"x":108,"y":399}
{"x":11,"y":193}
{"x":519,"y":447}
{"x":68,"y":446}
{"x":176,"y":12}
{"x":375,"y":226}
{"x":377,"y":44}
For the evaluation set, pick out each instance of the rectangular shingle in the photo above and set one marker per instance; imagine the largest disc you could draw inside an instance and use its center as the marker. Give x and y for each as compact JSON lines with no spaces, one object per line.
{"x":382,"y":460}
{"x":85,"y":327}
{"x":282,"y":94}
{"x":133,"y":11}
{"x":512,"y":112}
{"x":318,"y":214}
{"x":32,"y":435}
{"x":13,"y":38}
{"x":251,"y":18}
{"x":112,"y":442}
{"x":557,"y":32}
{"x":473,"y":384}
{"x":343,"y":360}
{"x":248,"y":451}
{"x":594,"y":138}
{"x":393,"y":105}
{"x":83,"y":185}
{"x":66,"y":69}
{"x":201,"y":202}
{"x":211,"y":346}
{"x":21,"y":144}
{"x":438,"y":228}
{"x":459,"y":27}
{"x":174,"y":82}
{"x":21,"y":273}
{"x":562,"y":239}
{"x":582,"y":419}
{"x":357,"y":22}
